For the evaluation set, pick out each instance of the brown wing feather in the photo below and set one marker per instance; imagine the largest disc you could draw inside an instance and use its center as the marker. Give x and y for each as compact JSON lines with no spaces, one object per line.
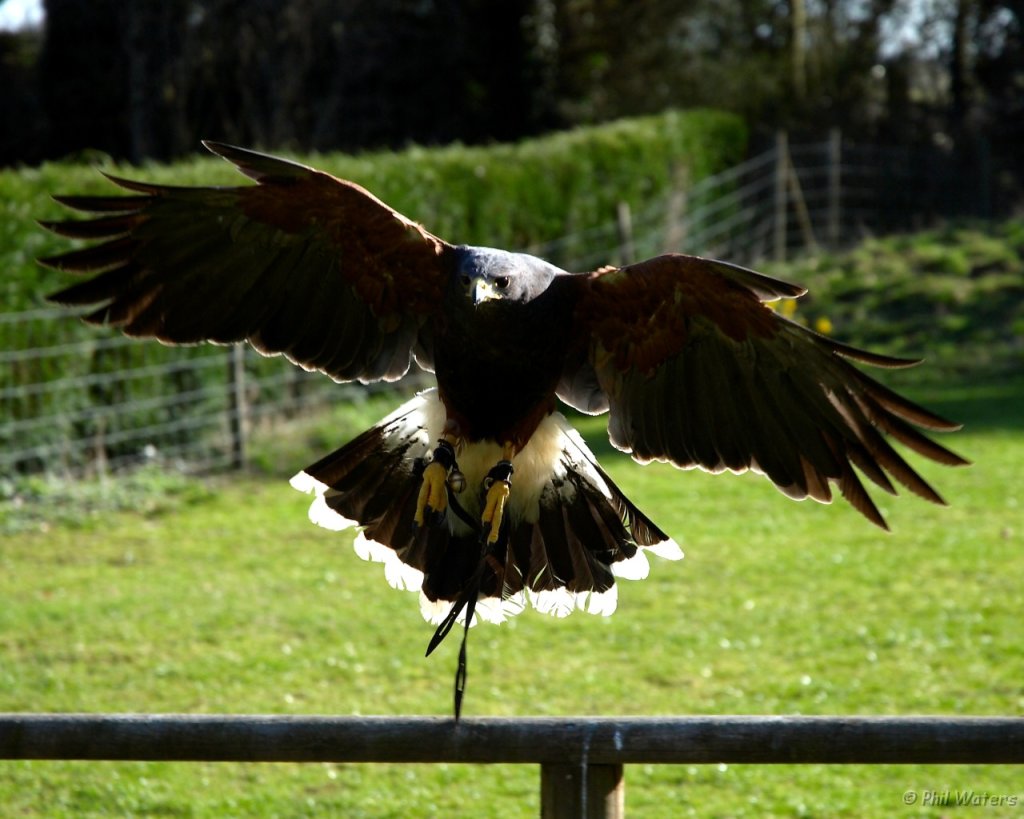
{"x":301,"y":263}
{"x":696,"y":370}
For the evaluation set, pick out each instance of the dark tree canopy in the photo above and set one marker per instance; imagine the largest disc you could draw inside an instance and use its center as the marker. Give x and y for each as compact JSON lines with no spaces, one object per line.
{"x":150,"y":79}
{"x":139,"y":80}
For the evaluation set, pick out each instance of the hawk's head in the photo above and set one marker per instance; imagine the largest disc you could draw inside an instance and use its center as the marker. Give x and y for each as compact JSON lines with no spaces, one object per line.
{"x":485,"y":274}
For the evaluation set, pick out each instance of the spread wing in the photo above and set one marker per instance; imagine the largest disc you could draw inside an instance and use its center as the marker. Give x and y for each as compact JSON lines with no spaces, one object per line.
{"x":696,"y":370}
{"x":301,"y":263}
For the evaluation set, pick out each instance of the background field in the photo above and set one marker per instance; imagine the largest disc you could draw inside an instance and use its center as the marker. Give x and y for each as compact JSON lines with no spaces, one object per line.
{"x":221,"y":597}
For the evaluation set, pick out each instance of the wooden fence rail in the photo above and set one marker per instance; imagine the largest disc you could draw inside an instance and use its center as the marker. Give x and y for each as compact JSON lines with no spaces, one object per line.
{"x":581,"y":758}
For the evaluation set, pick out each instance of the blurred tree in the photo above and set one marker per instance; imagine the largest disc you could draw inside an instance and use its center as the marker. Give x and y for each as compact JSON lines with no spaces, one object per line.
{"x":149,"y":79}
{"x":83,"y":85}
{"x":779,"y":62}
{"x":999,"y":68}
{"x":153,"y":78}
{"x":23,"y":134}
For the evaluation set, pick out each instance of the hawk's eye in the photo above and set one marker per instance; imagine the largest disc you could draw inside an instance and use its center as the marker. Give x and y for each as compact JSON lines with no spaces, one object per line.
{"x":501,"y":282}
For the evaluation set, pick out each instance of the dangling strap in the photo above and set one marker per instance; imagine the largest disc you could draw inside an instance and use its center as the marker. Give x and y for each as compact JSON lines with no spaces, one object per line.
{"x":469,"y":592}
{"x":460,"y":671}
{"x":461,"y":513}
{"x":466,"y":600}
{"x":502,"y":471}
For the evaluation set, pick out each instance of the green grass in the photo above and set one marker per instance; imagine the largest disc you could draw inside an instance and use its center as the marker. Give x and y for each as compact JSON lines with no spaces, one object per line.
{"x":227,"y":600}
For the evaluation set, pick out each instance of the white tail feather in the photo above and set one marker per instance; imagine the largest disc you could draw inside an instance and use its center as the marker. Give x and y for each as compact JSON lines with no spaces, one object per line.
{"x":541,"y":470}
{"x":636,"y":567}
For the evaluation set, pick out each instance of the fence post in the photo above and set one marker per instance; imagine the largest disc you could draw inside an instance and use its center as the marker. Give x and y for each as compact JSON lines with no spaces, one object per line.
{"x":624,"y":220}
{"x":237,"y":405}
{"x":835,"y":149}
{"x":675,"y":216}
{"x":781,"y":203}
{"x":100,"y":461}
{"x":803,"y":216}
{"x":575,"y":791}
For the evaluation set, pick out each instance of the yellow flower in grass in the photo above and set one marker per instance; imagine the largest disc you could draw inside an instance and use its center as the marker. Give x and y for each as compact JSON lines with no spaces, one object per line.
{"x":787,"y":307}
{"x":823,"y":325}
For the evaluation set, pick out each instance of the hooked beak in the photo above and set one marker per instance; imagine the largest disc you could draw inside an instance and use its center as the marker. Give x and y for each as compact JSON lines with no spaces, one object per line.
{"x":480,"y":290}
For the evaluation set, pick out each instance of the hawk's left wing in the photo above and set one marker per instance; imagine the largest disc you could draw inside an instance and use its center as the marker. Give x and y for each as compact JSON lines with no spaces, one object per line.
{"x":696,"y":370}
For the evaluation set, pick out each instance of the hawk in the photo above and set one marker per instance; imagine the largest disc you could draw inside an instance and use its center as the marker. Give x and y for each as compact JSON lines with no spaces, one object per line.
{"x":478,"y":493}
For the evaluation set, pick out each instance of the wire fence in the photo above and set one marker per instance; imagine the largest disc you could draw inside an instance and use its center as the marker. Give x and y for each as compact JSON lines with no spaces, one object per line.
{"x":76,"y":399}
{"x":108,"y":403}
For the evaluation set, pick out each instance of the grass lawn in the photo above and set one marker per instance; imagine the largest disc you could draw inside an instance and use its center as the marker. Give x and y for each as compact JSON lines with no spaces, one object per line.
{"x":231,"y":601}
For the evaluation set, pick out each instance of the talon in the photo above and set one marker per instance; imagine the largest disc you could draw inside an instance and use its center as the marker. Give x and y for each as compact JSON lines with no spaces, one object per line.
{"x":432,"y":501}
{"x":433,"y":498}
{"x":494,"y":509}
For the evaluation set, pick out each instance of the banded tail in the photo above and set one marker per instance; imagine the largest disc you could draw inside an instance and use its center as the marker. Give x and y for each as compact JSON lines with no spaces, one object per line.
{"x":570,"y":530}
